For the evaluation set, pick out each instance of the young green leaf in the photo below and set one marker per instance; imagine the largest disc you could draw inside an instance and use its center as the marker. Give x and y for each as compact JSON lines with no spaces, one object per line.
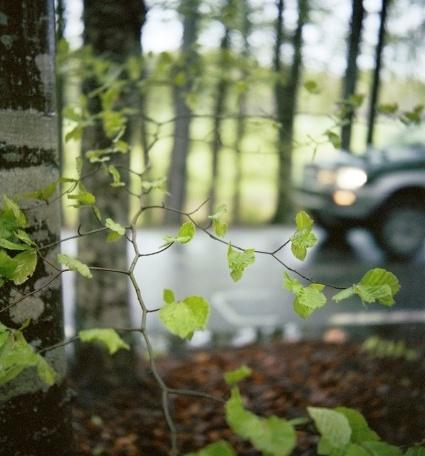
{"x":303,"y":238}
{"x":219,"y":226}
{"x":75,"y":265}
{"x":376,"y":285}
{"x":239,"y":261}
{"x":43,"y":194}
{"x":184,"y":317}
{"x":235,"y":376}
{"x":185,"y":234}
{"x":168,"y":296}
{"x":9,"y":245}
{"x":83,"y":198}
{"x":17,"y":355}
{"x":105,"y":336}
{"x":273,"y":436}
{"x":26,"y":263}
{"x":381,"y":449}
{"x":221,"y":448}
{"x":12,"y":210}
{"x":116,"y":176}
{"x":333,"y":138}
{"x":117,"y":229}
{"x":307,"y":299}
{"x":312,"y":87}
{"x":361,"y":431}
{"x":332,"y":426}
{"x":7,"y":265}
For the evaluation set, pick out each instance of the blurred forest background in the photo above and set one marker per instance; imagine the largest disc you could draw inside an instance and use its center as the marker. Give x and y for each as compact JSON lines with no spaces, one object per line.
{"x":236,"y":95}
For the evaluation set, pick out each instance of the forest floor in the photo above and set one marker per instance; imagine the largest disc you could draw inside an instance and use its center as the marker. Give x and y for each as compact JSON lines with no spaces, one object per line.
{"x":126,"y":419}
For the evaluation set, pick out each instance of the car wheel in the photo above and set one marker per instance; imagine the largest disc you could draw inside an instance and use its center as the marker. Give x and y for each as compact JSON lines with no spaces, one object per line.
{"x":400,"y":230}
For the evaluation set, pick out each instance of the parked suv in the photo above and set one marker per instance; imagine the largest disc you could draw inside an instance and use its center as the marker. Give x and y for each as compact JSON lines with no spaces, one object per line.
{"x":382,"y":190}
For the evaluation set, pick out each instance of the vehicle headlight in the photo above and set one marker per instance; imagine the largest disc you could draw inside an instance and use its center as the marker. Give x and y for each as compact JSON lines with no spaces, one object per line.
{"x":326,"y":177}
{"x":350,"y":178}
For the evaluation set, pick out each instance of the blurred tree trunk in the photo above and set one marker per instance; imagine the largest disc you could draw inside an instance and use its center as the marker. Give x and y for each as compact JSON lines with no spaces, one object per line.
{"x":351,"y":72}
{"x":33,"y":420}
{"x":184,"y":83}
{"x":112,"y":29}
{"x":219,"y":108}
{"x":286,"y":91}
{"x":242,"y":111}
{"x":376,"y":81}
{"x":60,"y":29}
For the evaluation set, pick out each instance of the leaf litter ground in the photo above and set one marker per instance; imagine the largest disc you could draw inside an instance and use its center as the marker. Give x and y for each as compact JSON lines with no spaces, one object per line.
{"x":126,"y":418}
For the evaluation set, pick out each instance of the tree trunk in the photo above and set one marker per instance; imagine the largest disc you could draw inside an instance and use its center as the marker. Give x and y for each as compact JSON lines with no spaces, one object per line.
{"x":219,"y":107}
{"x":240,"y":121}
{"x":376,"y":82}
{"x":34,"y":421}
{"x":350,"y":78}
{"x":113,"y":30}
{"x":286,"y":100}
{"x":177,"y":171}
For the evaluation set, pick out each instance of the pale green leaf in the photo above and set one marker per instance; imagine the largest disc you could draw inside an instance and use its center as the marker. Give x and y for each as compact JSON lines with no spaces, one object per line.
{"x":381,"y":449}
{"x":45,"y":371}
{"x":235,"y":376}
{"x":7,"y":265}
{"x":273,"y":436}
{"x":291,"y":284}
{"x":75,"y":265}
{"x":219,"y":226}
{"x":238,"y":261}
{"x":355,"y":450}
{"x":168,"y":296}
{"x":344,"y":294}
{"x":43,"y":194}
{"x":184,"y":317}
{"x":106,"y":336}
{"x":12,"y":208}
{"x":26,"y":263}
{"x":361,"y":431}
{"x":303,"y":238}
{"x":332,"y":425}
{"x":9,"y":245}
{"x":185,"y":234}
{"x":117,"y":229}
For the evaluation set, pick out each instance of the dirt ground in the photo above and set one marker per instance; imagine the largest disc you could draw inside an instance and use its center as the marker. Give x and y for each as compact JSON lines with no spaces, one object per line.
{"x":126,"y":419}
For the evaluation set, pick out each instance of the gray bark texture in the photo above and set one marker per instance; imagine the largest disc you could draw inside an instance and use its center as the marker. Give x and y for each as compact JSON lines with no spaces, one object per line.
{"x":219,"y":109}
{"x":286,"y":91}
{"x":351,"y":72}
{"x":34,"y":419}
{"x":178,"y":164}
{"x":112,"y":29}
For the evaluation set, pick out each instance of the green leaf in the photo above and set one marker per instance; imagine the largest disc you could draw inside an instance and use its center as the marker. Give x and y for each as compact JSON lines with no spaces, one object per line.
{"x":157,"y":184}
{"x":106,"y":336}
{"x":83,"y":198}
{"x":113,"y":123}
{"x":185,"y":234}
{"x":312,"y":87}
{"x":9,"y":245}
{"x":388,"y":108}
{"x":235,"y":376}
{"x":355,"y":450}
{"x":168,"y":296}
{"x":11,"y":208}
{"x":116,"y":176}
{"x":184,"y":317}
{"x":221,"y":448}
{"x":303,"y":238}
{"x":26,"y":263}
{"x":361,"y":431}
{"x":117,"y":229}
{"x":75,"y":265}
{"x":307,"y":299}
{"x":7,"y":265}
{"x":376,"y":285}
{"x":219,"y":226}
{"x":333,"y":138}
{"x":17,"y":355}
{"x":43,"y":194}
{"x":273,"y":436}
{"x":24,"y":237}
{"x":332,"y":426}
{"x":381,"y":449}
{"x":239,"y":261}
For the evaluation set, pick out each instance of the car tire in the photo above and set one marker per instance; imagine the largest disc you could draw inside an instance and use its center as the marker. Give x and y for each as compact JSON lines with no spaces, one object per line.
{"x":399,"y":228}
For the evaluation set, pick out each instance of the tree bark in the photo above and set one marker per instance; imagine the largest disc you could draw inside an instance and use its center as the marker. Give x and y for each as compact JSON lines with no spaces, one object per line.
{"x":34,"y":420}
{"x":219,"y":107}
{"x":112,"y":29}
{"x":376,"y":81}
{"x":177,"y":172}
{"x":351,"y":72}
{"x":240,"y":121}
{"x":286,"y":100}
